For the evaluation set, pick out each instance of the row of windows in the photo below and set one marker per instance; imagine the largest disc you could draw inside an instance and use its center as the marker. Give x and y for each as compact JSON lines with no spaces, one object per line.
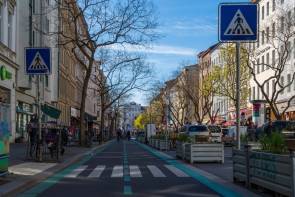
{"x":9,"y":27}
{"x":263,"y":63}
{"x":288,"y":84}
{"x":267,"y":8}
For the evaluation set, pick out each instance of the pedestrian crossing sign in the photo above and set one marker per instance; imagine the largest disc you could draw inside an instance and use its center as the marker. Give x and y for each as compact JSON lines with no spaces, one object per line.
{"x":38,"y":61}
{"x":238,"y":22}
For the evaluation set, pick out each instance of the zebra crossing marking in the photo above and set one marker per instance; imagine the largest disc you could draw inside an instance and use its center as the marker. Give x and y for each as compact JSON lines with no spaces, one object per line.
{"x":134,"y":171}
{"x":117,"y":172}
{"x":156,"y":172}
{"x":76,"y":172}
{"x":97,"y":172}
{"x":176,"y":171}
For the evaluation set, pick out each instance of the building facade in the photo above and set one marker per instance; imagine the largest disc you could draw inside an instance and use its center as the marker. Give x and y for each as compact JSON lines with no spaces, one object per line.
{"x":8,"y":69}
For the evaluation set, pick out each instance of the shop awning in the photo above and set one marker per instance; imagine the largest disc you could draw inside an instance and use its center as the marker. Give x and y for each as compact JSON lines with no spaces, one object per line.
{"x":50,"y":111}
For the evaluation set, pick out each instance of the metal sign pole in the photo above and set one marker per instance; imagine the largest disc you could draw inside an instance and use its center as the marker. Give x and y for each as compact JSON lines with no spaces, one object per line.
{"x":238,"y":93}
{"x":39,"y":120}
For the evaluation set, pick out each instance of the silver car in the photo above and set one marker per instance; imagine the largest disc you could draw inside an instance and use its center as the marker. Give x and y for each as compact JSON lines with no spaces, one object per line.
{"x":196,"y":130}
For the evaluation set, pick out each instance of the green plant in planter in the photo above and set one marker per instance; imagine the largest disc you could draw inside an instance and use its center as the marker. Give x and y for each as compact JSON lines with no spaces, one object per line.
{"x":274,"y":143}
{"x":244,"y":138}
{"x":183,"y":138}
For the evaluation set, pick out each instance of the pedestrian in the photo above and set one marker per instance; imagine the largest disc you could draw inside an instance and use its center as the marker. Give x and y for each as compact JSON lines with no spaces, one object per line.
{"x":128,"y":135}
{"x":119,"y":133}
{"x":32,"y":132}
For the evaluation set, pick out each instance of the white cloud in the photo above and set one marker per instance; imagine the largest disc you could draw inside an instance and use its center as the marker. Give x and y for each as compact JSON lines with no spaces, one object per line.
{"x":158,"y":49}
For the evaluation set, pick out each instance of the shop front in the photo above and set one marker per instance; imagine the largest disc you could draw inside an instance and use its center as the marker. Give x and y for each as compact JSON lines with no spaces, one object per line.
{"x":24,"y":113}
{"x":7,"y":112}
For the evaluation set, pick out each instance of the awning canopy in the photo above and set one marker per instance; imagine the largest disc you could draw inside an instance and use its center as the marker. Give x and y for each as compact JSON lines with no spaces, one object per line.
{"x":50,"y":111}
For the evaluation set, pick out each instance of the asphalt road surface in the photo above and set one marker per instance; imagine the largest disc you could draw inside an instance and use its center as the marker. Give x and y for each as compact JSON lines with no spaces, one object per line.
{"x":125,"y":168}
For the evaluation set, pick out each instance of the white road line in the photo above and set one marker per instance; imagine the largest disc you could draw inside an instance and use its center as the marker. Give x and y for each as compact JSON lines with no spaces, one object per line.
{"x":96,"y":172}
{"x":76,"y":172}
{"x":134,"y":171}
{"x":117,"y":172}
{"x":156,"y":172}
{"x":176,"y":171}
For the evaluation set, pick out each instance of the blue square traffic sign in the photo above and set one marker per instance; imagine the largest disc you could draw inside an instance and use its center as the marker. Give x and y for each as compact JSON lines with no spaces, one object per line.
{"x":238,"y":22}
{"x":37,"y":61}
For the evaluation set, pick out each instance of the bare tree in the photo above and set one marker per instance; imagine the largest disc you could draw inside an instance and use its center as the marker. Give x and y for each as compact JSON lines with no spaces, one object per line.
{"x":119,"y":76}
{"x":90,"y":26}
{"x":280,"y":76}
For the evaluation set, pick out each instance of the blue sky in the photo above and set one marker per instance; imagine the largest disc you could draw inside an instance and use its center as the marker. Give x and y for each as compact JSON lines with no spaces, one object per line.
{"x":187,"y":27}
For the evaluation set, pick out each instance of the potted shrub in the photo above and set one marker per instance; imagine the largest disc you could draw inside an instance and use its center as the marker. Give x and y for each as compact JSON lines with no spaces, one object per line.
{"x":181,"y":140}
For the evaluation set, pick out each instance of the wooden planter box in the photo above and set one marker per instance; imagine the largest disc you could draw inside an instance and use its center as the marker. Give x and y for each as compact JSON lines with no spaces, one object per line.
{"x":271,"y":171}
{"x":204,"y":152}
{"x":180,"y":147}
{"x":163,"y":145}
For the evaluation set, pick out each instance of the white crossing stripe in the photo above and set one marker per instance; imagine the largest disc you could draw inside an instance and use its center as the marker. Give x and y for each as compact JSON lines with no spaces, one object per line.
{"x":134,"y":171}
{"x":76,"y":172}
{"x":156,"y":172}
{"x":117,"y":172}
{"x":96,"y":172}
{"x":176,"y":171}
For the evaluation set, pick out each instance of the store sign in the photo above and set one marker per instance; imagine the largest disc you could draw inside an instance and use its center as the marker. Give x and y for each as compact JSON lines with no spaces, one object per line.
{"x":4,"y":73}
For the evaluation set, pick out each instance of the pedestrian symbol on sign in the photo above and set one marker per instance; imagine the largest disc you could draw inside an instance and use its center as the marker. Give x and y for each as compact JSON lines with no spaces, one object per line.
{"x":238,"y":26}
{"x":38,"y":63}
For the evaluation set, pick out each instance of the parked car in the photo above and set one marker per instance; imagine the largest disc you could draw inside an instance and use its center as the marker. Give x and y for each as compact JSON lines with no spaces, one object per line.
{"x":285,"y":127}
{"x":215,"y":133}
{"x":226,"y":137}
{"x":196,"y":130}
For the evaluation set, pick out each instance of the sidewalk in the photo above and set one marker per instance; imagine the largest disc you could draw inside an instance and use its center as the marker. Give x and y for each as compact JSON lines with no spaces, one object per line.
{"x":23,"y":173}
{"x":222,"y":173}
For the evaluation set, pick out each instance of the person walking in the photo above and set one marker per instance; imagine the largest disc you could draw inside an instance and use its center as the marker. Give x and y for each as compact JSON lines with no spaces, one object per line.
{"x":119,"y":134}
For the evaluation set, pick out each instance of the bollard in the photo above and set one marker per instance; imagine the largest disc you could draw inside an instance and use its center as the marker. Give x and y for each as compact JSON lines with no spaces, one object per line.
{"x":247,"y":148}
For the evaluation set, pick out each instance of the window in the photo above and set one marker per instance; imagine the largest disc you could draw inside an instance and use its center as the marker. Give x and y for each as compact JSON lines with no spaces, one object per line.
{"x":258,"y":93}
{"x":33,"y":6}
{"x":267,"y":8}
{"x":258,"y":36}
{"x":267,"y":61}
{"x":9,"y":29}
{"x":1,"y":19}
{"x":262,"y":12}
{"x":289,"y":50}
{"x":282,"y":23}
{"x":46,"y":81}
{"x":273,"y":59}
{"x":294,"y":45}
{"x":294,"y":84}
{"x":262,"y":63}
{"x":289,"y":81}
{"x":273,"y":86}
{"x":267,"y":89}
{"x":273,"y":5}
{"x":262,"y":38}
{"x":282,"y":1}
{"x":258,"y":66}
{"x":282,"y":84}
{"x":253,"y":93}
{"x":273,"y":30}
{"x":267,"y":34}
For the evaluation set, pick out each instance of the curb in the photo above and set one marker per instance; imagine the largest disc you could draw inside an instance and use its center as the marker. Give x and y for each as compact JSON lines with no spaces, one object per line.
{"x":24,"y":183}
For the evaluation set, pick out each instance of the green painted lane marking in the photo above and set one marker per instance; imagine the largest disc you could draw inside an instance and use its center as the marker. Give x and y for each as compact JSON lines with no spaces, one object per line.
{"x":220,"y":189}
{"x":127,"y":190}
{"x":54,"y":179}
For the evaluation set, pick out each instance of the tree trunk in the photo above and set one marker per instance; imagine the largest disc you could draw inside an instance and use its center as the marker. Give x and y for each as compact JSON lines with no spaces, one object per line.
{"x":101,"y":125}
{"x":83,"y":100}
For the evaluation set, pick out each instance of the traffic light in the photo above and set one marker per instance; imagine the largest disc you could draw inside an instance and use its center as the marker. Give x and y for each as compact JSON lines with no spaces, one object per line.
{"x":4,"y":73}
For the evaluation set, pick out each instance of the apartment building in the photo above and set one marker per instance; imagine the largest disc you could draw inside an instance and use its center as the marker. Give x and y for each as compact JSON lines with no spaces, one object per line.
{"x":8,"y":70}
{"x":34,"y":22}
{"x":275,"y":49}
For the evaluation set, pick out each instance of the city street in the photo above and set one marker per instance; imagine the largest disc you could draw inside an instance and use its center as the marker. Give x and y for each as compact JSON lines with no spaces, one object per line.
{"x":126,"y":168}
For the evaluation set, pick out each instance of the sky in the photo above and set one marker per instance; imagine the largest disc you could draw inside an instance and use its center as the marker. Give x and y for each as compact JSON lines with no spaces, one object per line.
{"x":187,"y":27}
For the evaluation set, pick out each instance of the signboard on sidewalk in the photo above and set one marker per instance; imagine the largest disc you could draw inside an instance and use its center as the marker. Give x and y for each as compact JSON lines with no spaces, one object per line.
{"x":238,"y":22}
{"x":38,"y":61}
